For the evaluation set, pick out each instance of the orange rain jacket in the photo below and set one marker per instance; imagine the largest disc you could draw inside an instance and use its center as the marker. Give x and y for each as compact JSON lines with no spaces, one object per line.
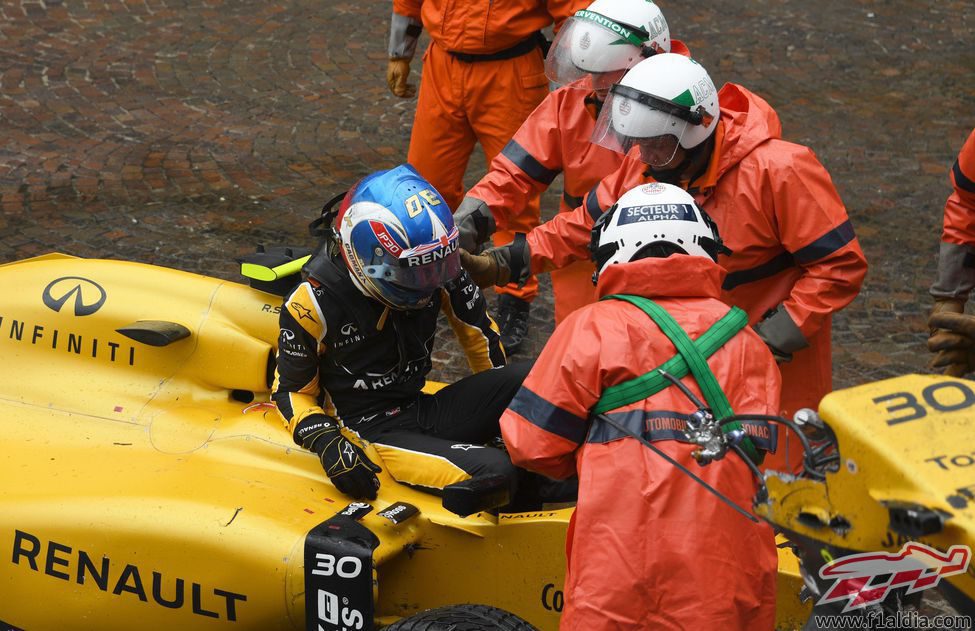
{"x":462,"y":102}
{"x":956,"y":265}
{"x":778,"y":211}
{"x":648,"y":547}
{"x":555,"y":139}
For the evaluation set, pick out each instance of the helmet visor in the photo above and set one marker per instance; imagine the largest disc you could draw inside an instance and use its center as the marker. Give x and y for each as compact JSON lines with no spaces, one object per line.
{"x":632,"y":118}
{"x":408,"y":281}
{"x":592,"y":44}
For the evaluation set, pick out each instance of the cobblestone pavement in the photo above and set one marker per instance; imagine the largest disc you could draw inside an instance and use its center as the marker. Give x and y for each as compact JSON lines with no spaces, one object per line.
{"x":184,"y":132}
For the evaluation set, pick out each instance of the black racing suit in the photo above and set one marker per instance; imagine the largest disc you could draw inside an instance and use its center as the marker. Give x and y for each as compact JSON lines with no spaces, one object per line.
{"x":346,"y":356}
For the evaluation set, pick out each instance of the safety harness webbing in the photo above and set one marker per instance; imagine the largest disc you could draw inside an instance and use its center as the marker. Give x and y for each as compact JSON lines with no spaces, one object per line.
{"x":651,"y":383}
{"x":691,"y":358}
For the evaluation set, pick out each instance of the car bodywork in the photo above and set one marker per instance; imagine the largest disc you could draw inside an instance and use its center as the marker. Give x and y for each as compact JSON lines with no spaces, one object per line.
{"x":146,"y":478}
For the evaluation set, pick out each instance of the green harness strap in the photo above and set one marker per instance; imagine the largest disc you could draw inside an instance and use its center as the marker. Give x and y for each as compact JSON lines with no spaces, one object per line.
{"x":691,"y":358}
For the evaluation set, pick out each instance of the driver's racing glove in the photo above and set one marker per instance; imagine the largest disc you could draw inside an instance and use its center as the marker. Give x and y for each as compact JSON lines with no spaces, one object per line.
{"x":345,"y":464}
{"x":499,"y":266}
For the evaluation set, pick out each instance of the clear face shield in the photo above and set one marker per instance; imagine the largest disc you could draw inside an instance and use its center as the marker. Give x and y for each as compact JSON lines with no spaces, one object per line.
{"x":593,"y":52}
{"x":632,"y":120}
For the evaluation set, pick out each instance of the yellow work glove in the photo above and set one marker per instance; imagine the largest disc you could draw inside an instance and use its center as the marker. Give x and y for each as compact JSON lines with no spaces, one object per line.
{"x":396,"y":74}
{"x":952,"y":337}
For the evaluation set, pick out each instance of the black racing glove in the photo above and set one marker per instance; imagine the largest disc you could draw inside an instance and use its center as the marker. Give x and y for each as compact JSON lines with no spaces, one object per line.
{"x":345,"y":464}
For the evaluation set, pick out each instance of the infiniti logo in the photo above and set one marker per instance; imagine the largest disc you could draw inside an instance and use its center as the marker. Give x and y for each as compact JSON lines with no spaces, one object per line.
{"x":88,"y":295}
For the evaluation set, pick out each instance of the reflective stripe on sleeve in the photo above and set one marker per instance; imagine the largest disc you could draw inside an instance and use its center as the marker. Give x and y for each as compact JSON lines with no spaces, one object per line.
{"x":827,"y":244}
{"x":768,"y":269}
{"x":961,"y":180}
{"x":592,"y":204}
{"x":549,"y":417}
{"x":527,"y":163}
{"x":571,"y":200}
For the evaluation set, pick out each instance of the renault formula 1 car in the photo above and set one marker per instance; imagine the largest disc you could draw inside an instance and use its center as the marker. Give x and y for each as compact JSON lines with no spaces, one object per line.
{"x":146,"y":481}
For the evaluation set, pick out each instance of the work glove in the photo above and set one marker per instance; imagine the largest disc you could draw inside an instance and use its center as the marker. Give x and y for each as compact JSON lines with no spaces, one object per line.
{"x":345,"y":464}
{"x":781,"y":334}
{"x":952,"y":337}
{"x":499,"y":266}
{"x":475,"y":222}
{"x":397,"y":72}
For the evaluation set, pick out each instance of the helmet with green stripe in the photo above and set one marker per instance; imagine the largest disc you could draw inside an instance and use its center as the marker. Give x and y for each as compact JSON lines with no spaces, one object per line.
{"x":662,"y":103}
{"x":604,"y":40}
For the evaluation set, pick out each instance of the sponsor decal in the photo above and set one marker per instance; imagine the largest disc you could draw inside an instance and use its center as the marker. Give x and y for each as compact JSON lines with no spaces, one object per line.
{"x":96,"y":570}
{"x":287,"y":335}
{"x":85,"y":296}
{"x":442,"y":251}
{"x":338,"y":574}
{"x":272,"y":309}
{"x":466,"y":447}
{"x":552,"y":598}
{"x":516,"y":516}
{"x":604,"y":22}
{"x":356,"y":510}
{"x":301,"y":311}
{"x":350,"y":335}
{"x":867,"y":578}
{"x":625,"y":107}
{"x":84,"y":345}
{"x":947,"y":462}
{"x":657,"y":212}
{"x":654,"y":188}
{"x":399,"y":512}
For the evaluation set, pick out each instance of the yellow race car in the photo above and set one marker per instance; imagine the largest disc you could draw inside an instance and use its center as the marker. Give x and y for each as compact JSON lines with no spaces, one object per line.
{"x":146,"y":481}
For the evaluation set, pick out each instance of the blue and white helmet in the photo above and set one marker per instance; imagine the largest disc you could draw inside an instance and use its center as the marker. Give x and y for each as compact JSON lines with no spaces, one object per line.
{"x":398,"y":238}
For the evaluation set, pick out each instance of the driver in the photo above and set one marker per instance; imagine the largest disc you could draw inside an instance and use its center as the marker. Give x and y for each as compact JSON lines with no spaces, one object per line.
{"x":356,"y":338}
{"x":649,"y":548}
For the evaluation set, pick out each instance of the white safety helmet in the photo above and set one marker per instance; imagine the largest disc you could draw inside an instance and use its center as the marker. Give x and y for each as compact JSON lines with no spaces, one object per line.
{"x":604,"y":40}
{"x":653,"y":220}
{"x":662,"y":103}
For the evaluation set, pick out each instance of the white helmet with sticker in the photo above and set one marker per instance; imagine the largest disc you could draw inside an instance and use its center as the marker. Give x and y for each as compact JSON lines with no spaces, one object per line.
{"x":653,"y":220}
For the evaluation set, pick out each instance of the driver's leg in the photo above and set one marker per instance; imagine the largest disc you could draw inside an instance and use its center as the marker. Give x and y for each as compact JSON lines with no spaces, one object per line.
{"x":432,"y":463}
{"x":470,"y":409}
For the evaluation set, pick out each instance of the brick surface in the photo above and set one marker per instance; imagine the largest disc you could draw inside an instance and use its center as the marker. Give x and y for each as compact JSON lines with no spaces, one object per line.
{"x":185,"y":132}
